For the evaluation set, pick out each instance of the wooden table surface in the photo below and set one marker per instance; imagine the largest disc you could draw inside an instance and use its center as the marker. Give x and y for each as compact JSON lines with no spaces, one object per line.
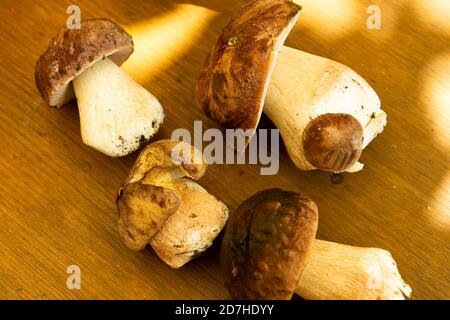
{"x":57,"y":195}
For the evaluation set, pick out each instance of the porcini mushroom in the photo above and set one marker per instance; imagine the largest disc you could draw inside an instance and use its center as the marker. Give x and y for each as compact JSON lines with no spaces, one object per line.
{"x":326,"y":112}
{"x":269,"y":251}
{"x":160,"y":203}
{"x":117,"y":114}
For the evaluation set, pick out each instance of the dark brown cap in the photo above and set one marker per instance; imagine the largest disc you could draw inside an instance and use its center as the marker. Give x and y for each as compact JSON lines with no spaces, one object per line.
{"x":234,"y":79}
{"x":333,"y":141}
{"x":266,"y":245}
{"x":74,"y":50}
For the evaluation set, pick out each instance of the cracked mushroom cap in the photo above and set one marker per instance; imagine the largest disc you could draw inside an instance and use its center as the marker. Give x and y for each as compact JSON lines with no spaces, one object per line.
{"x":267,"y":243}
{"x":193,"y":227}
{"x":74,"y":50}
{"x":169,"y":160}
{"x":148,"y":197}
{"x":235,"y":77}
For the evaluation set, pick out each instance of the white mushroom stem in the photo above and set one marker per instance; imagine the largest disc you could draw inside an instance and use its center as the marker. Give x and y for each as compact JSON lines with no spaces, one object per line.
{"x":116,"y":113}
{"x":304,"y":86}
{"x":342,"y":272}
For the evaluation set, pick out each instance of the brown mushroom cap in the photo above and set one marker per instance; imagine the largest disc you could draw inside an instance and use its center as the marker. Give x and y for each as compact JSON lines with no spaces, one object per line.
{"x":234,"y":79}
{"x":143,"y":210}
{"x":74,"y":50}
{"x":158,"y":156}
{"x":333,"y":141}
{"x":266,"y":244}
{"x":148,"y":197}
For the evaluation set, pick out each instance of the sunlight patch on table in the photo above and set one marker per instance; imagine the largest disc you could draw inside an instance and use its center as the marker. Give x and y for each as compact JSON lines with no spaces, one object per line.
{"x":436,"y":97}
{"x":435,"y":13}
{"x":331,"y":18}
{"x":162,"y":41}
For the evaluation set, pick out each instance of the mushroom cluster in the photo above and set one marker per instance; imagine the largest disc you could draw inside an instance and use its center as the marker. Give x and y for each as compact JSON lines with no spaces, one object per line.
{"x":161,"y":203}
{"x":326,"y":113}
{"x":117,"y":115}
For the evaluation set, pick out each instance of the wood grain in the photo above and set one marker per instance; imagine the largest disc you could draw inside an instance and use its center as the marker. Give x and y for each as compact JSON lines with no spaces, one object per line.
{"x":57,"y":195}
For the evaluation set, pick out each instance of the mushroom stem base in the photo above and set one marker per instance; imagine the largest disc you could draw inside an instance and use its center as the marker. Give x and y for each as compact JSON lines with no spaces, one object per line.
{"x":342,"y":272}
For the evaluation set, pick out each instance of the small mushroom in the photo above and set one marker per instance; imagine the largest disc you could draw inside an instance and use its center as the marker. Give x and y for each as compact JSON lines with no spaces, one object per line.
{"x":326,"y":113}
{"x":117,"y":114}
{"x":160,"y":203}
{"x":269,"y":251}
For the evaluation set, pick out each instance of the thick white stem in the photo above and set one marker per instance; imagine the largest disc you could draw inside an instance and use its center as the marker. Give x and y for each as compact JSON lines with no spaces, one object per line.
{"x":116,"y":113}
{"x":304,"y":86}
{"x":341,"y":272}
